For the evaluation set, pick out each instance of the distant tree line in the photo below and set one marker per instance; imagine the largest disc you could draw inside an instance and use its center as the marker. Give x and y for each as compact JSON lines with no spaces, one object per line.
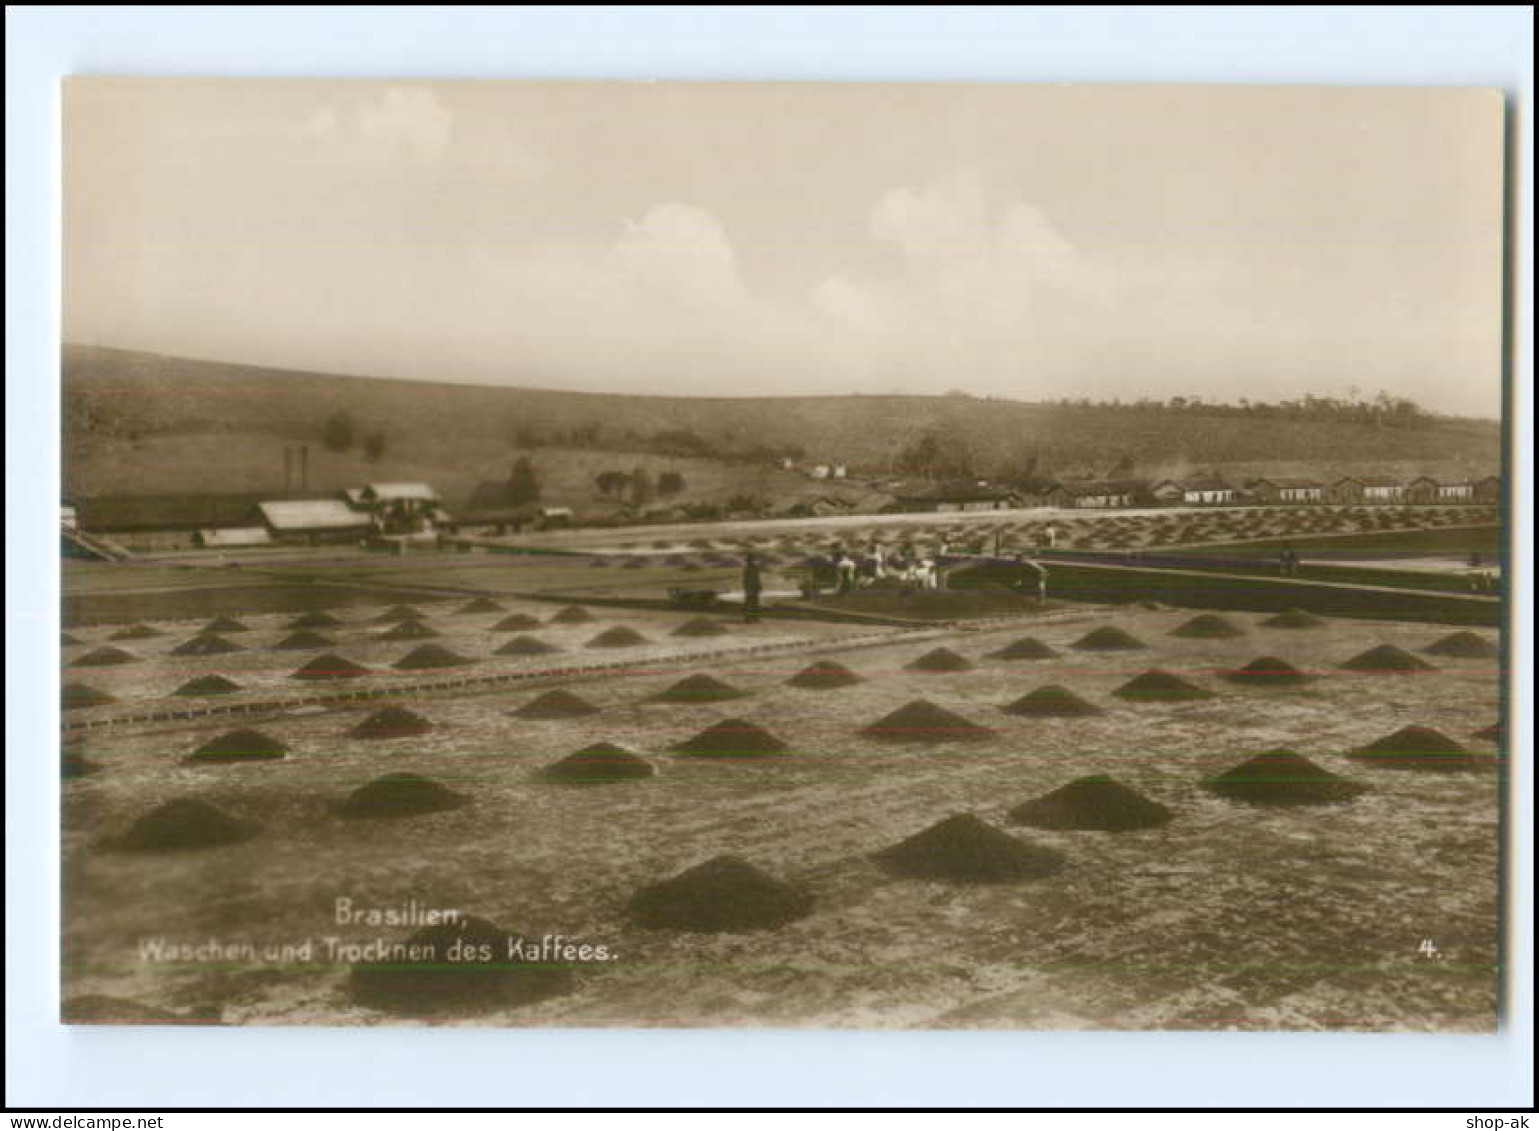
{"x":1383,"y":409}
{"x":937,"y":454}
{"x":637,"y":486}
{"x":340,"y":433}
{"x":1090,"y":446}
{"x":521,"y":488}
{"x":678,"y":443}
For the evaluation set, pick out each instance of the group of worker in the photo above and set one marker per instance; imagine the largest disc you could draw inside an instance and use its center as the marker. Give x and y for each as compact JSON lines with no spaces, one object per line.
{"x":926,"y":570}
{"x":923,"y":570}
{"x":1482,"y":574}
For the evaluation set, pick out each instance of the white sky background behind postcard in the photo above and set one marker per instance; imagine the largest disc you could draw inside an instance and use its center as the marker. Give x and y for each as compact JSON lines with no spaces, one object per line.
{"x":1027,"y":242}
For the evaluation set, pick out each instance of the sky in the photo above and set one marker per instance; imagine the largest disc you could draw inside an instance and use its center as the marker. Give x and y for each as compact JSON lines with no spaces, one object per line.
{"x":1030,"y":242}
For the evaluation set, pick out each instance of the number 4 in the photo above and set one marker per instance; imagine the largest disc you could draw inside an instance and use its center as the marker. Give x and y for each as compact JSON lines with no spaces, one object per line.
{"x":1427,"y":948}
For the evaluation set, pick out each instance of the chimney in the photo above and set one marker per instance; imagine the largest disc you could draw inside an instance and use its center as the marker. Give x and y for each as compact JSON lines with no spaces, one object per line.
{"x":288,"y":470}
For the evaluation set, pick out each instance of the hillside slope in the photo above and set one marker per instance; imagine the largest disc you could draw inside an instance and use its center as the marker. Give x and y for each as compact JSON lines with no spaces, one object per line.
{"x":143,"y":423}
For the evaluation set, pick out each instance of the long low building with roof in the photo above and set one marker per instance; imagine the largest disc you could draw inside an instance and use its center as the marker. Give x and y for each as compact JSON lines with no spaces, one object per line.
{"x":406,"y":509}
{"x":1366,"y":489}
{"x":233,"y":537}
{"x":410,"y":511}
{"x":314,"y":520}
{"x":1198,"y":491}
{"x":168,"y":521}
{"x":954,"y":497}
{"x":1281,"y":489}
{"x":1100,"y":494}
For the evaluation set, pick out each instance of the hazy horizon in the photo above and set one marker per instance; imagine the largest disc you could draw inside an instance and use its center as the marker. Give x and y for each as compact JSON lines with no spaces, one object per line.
{"x":726,"y":396}
{"x":798,"y":239}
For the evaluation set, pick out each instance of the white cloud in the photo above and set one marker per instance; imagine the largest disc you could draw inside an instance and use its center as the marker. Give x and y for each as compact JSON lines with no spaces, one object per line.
{"x":979,"y":290}
{"x":663,"y":303}
{"x":402,"y":125}
{"x":323,"y":124}
{"x":858,"y":307}
{"x":1033,"y":249}
{"x":983,"y":288}
{"x":680,"y":254}
{"x":406,"y":130}
{"x":405,"y":120}
{"x":970,"y":253}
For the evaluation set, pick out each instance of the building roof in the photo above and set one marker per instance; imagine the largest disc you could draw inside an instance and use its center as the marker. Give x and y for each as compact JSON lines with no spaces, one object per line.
{"x":1038,"y":485}
{"x":1378,"y":480}
{"x":1205,"y":483}
{"x":235,"y":536}
{"x":1104,"y":487}
{"x":311,"y":514}
{"x":163,"y":512}
{"x":1286,"y":482}
{"x":953,"y":492}
{"x":398,"y":492}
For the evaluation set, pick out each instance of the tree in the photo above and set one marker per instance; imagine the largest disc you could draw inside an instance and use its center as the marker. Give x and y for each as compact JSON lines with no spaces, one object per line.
{"x":489,"y":495}
{"x":744,"y":503}
{"x":338,"y":432}
{"x":680,"y":441}
{"x":612,"y":483}
{"x":642,"y":491}
{"x":374,"y":446}
{"x":1019,"y":468}
{"x":523,"y":483}
{"x":937,"y":455}
{"x":669,"y":483}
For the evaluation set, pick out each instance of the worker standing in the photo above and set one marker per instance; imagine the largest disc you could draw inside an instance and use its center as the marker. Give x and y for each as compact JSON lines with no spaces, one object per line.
{"x":845,"y":566}
{"x":928,"y":578}
{"x":1033,"y":576}
{"x":753,"y":585}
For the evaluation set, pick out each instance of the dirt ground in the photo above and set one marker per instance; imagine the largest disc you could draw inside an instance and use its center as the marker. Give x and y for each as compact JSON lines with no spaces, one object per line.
{"x":1380,"y":914}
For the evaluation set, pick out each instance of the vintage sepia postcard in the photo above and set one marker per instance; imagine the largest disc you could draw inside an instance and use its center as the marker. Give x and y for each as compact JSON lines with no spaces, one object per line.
{"x":839,"y":555}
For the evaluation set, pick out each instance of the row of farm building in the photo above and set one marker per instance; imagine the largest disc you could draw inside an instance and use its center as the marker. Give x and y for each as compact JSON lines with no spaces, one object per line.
{"x":1205,"y":490}
{"x":380,"y":514}
{"x":383,"y":512}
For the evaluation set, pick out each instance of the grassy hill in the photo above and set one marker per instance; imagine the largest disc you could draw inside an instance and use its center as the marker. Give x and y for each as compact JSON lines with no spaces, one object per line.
{"x":137,"y":423}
